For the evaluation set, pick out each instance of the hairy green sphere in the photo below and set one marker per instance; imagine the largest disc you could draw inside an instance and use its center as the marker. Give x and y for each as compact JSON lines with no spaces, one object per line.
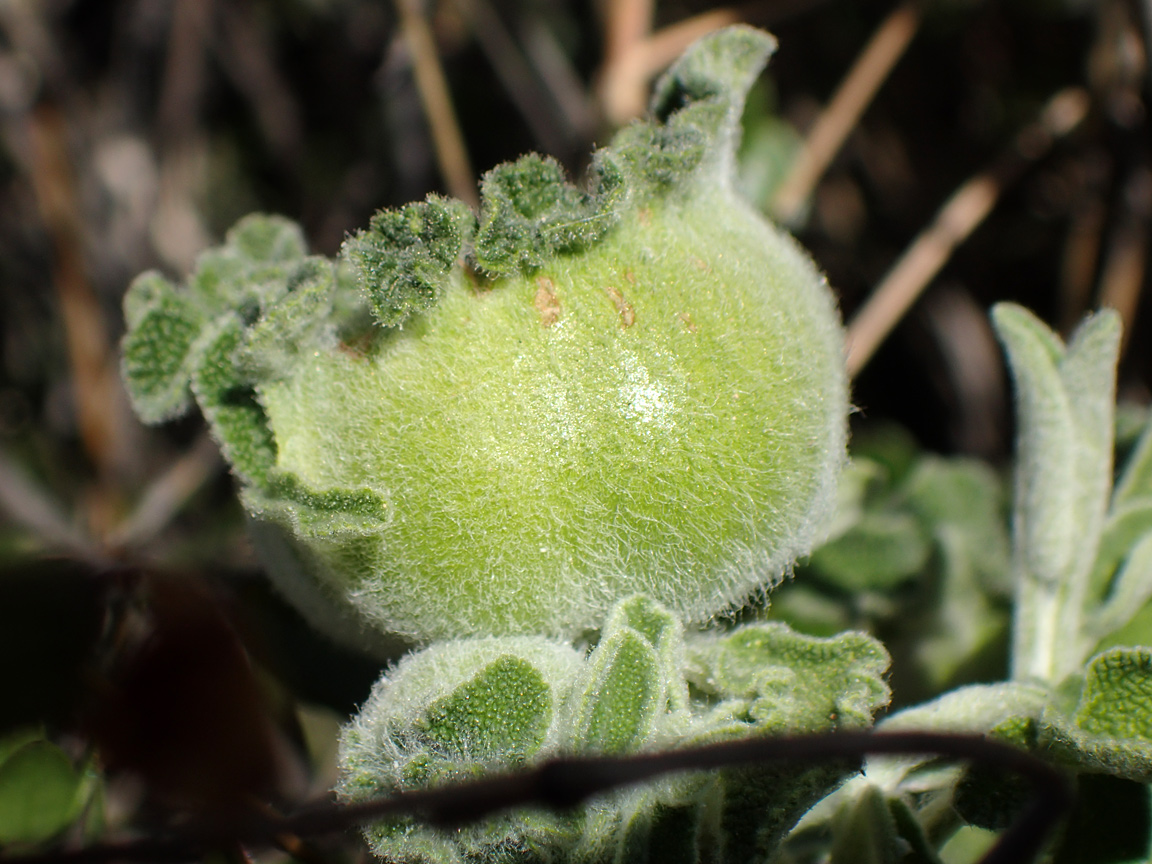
{"x":646,"y":395}
{"x":663,"y":414}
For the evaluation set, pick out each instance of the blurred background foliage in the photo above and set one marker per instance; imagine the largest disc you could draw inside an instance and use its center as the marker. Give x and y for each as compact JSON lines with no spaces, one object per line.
{"x":146,"y":669}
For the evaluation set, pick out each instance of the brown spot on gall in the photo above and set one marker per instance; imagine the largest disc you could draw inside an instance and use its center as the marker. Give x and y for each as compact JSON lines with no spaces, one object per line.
{"x":686,"y":319}
{"x":627,"y":313}
{"x":546,"y":302}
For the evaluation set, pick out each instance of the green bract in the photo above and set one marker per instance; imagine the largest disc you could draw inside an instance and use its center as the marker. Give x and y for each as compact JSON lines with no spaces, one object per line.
{"x":465,"y":708}
{"x":636,"y":388}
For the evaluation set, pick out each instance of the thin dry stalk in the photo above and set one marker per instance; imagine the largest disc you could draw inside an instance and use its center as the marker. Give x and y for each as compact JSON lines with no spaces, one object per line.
{"x":837,"y":121}
{"x":630,"y":66}
{"x":632,"y":58}
{"x":167,"y":494}
{"x":1126,"y":263}
{"x":185,"y":71}
{"x":622,"y":90}
{"x":448,"y":140}
{"x":559,"y":77}
{"x":176,"y":228}
{"x":100,"y":403}
{"x":953,"y":223}
{"x":1081,"y":257}
{"x":247,"y":57}
{"x":27,"y":504}
{"x":515,"y":74}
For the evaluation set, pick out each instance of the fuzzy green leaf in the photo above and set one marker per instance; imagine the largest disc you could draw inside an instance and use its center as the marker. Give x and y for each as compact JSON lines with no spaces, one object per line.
{"x":1121,"y":579}
{"x":291,"y":324}
{"x":40,"y":793}
{"x":1136,"y":479}
{"x":156,"y":365}
{"x":403,"y":259}
{"x":664,"y":633}
{"x":616,"y":708}
{"x":1117,"y":697}
{"x":864,"y":832}
{"x":966,"y":497}
{"x":801,"y":683}
{"x":1065,"y":403}
{"x":1088,"y":373}
{"x":978,"y":708}
{"x":503,"y":712}
{"x":1046,"y":479}
{"x":462,"y":708}
{"x":707,"y":86}
{"x":879,"y":552}
{"x":1110,"y":728}
{"x":251,"y":268}
{"x":229,"y":402}
{"x":530,"y":212}
{"x":658,"y":158}
{"x":265,"y":239}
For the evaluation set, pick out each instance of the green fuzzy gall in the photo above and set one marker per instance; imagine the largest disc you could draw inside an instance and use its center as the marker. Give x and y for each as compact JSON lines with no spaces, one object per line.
{"x":463,"y":709}
{"x":502,"y":423}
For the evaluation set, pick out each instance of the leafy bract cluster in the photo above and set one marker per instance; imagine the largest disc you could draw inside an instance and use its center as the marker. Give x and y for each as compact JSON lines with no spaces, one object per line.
{"x":465,"y":708}
{"x":1080,"y":693}
{"x":502,"y":423}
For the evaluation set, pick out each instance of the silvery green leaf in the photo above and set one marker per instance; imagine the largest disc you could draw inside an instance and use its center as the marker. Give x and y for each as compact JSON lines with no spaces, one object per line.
{"x":1065,"y":403}
{"x":665,"y":634}
{"x":503,"y":712}
{"x":1046,"y":487}
{"x":879,"y":552}
{"x":229,"y":402}
{"x":290,"y":324}
{"x":856,"y":480}
{"x":616,"y":707}
{"x":1088,"y":372}
{"x":1110,"y":728}
{"x":966,"y":497}
{"x":251,"y":268}
{"x":448,"y":713}
{"x":1136,"y":479}
{"x":163,"y":325}
{"x":1121,"y":581}
{"x":977,"y":708}
{"x":964,"y":620}
{"x":796,"y":682}
{"x":864,"y":831}
{"x":402,"y":261}
{"x":708,"y":85}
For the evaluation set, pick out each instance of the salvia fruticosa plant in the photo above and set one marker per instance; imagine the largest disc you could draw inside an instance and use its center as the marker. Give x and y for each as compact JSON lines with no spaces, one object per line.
{"x":553,"y":447}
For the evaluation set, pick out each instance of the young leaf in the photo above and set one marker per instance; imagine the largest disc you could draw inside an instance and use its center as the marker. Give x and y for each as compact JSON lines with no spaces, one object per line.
{"x":462,"y":708}
{"x":504,"y":712}
{"x":1136,"y":480}
{"x":530,"y":213}
{"x":156,"y":366}
{"x":1110,"y":729}
{"x":404,"y":259}
{"x":1065,"y":401}
{"x":879,"y":552}
{"x":864,"y":832}
{"x":623,"y":693}
{"x":229,"y":401}
{"x":797,"y":682}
